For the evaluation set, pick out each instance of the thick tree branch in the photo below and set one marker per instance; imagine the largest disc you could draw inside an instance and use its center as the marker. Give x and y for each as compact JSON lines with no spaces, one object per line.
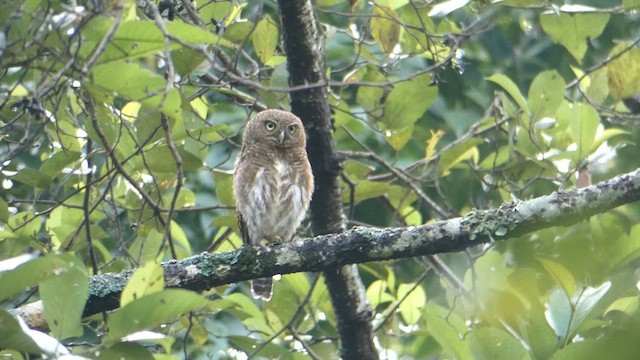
{"x":362,"y":244}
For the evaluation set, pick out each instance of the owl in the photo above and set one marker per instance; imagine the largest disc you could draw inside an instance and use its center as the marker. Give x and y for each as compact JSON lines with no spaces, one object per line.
{"x":272,"y":183}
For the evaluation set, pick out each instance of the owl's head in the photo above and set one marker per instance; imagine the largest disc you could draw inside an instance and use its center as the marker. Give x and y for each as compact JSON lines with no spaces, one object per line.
{"x":275,"y":128}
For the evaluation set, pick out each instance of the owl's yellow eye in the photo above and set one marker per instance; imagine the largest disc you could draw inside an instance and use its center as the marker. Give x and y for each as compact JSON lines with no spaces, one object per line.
{"x":292,"y":129}
{"x":270,"y":125}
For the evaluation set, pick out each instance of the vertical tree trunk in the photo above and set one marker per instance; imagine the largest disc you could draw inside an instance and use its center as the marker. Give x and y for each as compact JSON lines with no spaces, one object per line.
{"x":306,"y":67}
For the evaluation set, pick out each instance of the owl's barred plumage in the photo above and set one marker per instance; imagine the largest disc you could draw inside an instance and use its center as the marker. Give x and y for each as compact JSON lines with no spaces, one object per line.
{"x":272,"y":183}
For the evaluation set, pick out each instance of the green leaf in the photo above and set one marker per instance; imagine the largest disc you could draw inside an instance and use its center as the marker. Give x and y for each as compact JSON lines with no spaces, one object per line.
{"x":62,"y":224}
{"x":560,"y":275}
{"x":447,"y":329}
{"x":160,"y":159}
{"x":265,"y":38}
{"x":631,"y":4}
{"x":370,"y":97}
{"x":392,"y":4}
{"x":411,"y":216}
{"x":412,"y":305}
{"x":384,"y":31}
{"x":125,"y":351}
{"x":64,"y":298}
{"x":33,"y":273}
{"x":134,"y":39}
{"x":458,"y":153}
{"x":583,"y":121}
{"x":146,"y":280}
{"x":152,"y":310}
{"x":565,"y":316}
{"x":623,"y":73}
{"x":136,"y":83}
{"x":53,"y":166}
{"x":495,"y":344}
{"x":398,"y":138}
{"x":187,"y":60}
{"x":572,"y":30}
{"x":585,"y":303}
{"x":32,"y":177}
{"x":25,"y":224}
{"x":377,"y":293}
{"x":625,"y":250}
{"x":545,"y":94}
{"x":512,"y":89}
{"x":614,"y":345}
{"x":606,"y":135}
{"x":12,"y":337}
{"x":4,"y":210}
{"x":366,"y":189}
{"x":224,"y":187}
{"x":408,"y":101}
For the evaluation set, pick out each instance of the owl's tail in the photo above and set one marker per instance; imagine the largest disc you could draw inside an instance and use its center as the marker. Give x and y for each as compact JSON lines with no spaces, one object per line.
{"x":262,"y":288}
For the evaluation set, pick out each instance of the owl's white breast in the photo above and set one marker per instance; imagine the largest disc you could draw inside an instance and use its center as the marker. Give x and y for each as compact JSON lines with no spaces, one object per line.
{"x":278,"y":202}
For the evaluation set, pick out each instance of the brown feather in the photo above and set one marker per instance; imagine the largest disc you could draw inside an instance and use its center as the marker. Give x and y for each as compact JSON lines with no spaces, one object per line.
{"x":273,"y":183}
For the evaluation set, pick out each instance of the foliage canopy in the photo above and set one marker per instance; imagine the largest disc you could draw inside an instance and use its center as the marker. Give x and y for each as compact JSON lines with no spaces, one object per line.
{"x":119,"y":123}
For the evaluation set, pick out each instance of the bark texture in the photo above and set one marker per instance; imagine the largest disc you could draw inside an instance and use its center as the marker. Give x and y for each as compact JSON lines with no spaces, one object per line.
{"x":305,"y":63}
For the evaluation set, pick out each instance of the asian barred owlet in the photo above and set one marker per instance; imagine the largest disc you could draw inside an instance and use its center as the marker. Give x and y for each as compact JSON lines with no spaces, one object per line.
{"x":272,"y":183}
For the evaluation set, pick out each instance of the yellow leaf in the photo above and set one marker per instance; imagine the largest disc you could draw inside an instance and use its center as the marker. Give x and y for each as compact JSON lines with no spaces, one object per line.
{"x":624,"y":72}
{"x":385,"y":32}
{"x":432,"y":143}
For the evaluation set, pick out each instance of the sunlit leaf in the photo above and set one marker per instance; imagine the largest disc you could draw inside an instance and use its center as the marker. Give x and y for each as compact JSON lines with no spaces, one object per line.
{"x":624,"y":72}
{"x":265,"y":38}
{"x":430,"y":149}
{"x":161,"y":159}
{"x":136,"y":83}
{"x":398,"y":138}
{"x":572,"y":30}
{"x":147,"y":279}
{"x":152,"y":310}
{"x":408,"y":101}
{"x":463,"y":151}
{"x":560,"y":275}
{"x":414,"y":301}
{"x":377,"y":293}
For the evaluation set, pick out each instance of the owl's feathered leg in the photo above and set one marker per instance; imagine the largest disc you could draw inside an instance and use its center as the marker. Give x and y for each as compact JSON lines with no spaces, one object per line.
{"x":262,"y":288}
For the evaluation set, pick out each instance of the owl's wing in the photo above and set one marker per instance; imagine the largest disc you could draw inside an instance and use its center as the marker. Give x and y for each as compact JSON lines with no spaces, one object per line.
{"x":244,"y":232}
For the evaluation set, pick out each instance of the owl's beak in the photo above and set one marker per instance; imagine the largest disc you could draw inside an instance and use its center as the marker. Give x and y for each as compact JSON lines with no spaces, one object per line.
{"x":281,"y":136}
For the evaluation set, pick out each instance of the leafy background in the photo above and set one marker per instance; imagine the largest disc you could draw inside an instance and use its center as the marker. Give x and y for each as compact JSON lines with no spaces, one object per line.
{"x":440,"y":108}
